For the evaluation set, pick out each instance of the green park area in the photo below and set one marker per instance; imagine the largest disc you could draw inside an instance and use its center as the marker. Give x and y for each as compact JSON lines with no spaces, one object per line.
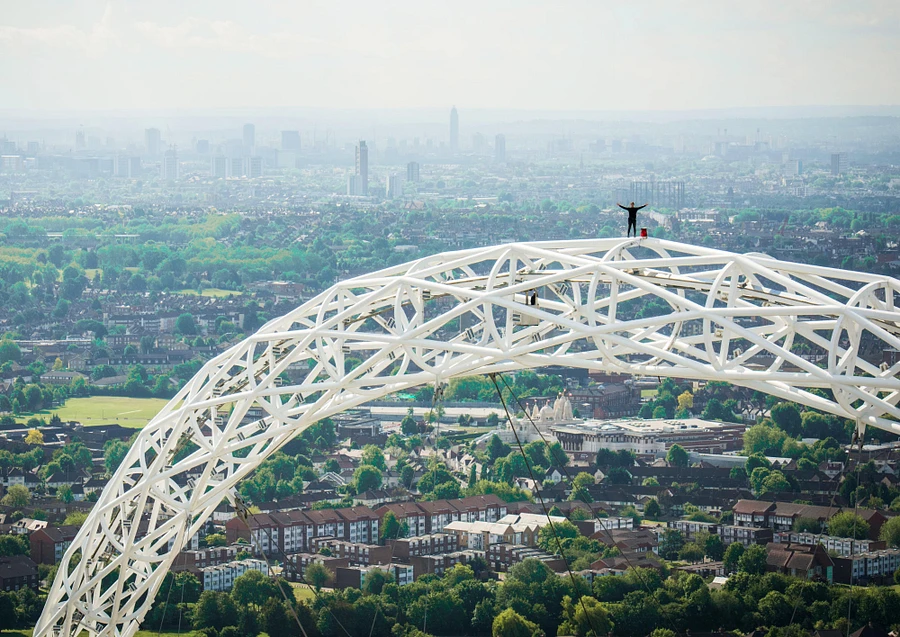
{"x":105,"y":410}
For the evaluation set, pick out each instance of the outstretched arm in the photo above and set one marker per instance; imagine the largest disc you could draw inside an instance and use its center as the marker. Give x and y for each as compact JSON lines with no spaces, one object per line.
{"x":639,"y":207}
{"x":621,"y":206}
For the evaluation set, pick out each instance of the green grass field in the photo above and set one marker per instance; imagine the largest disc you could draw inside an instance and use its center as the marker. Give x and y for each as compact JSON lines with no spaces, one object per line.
{"x":105,"y":410}
{"x":216,"y":292}
{"x":303,"y":592}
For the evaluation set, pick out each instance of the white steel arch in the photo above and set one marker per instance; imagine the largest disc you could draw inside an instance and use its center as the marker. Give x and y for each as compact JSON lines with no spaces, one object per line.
{"x":636,"y":306}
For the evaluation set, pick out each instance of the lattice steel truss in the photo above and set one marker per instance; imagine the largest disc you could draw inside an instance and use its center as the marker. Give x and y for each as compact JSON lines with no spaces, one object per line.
{"x":637,"y":306}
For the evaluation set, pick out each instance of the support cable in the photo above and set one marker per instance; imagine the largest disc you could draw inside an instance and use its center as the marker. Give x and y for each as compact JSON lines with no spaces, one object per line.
{"x":243,"y":512}
{"x":597,"y":518}
{"x":837,"y":487}
{"x":855,"y":517}
{"x":562,"y":554}
{"x":169,"y":594}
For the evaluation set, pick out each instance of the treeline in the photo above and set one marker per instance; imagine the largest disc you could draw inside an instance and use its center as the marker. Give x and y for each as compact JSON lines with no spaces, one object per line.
{"x":531,"y":600}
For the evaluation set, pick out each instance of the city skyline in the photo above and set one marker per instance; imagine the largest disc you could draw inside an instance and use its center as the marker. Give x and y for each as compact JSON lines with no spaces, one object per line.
{"x":649,"y":56}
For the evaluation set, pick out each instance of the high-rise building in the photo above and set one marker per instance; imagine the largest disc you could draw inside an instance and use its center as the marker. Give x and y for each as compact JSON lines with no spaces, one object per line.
{"x":234,"y":167}
{"x":362,"y":169}
{"x":793,"y":168}
{"x":454,"y":130}
{"x":500,"y":148}
{"x":412,"y":171}
{"x":152,"y":141}
{"x":249,"y":138}
{"x":218,"y":166}
{"x":393,"y":188}
{"x":290,"y":140}
{"x":254,"y":167}
{"x":128,"y":167}
{"x":169,"y":166}
{"x":202,"y":146}
{"x":838,"y":163}
{"x":79,"y":140}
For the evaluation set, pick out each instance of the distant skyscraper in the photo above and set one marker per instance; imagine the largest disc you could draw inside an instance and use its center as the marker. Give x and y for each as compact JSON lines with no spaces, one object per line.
{"x":500,"y":148}
{"x":412,"y":171}
{"x":234,"y":167}
{"x":128,"y":167}
{"x":152,"y":141}
{"x":218,"y":167}
{"x":290,"y":140}
{"x":170,"y":166}
{"x":249,"y":138}
{"x":454,"y":130}
{"x":203,"y":146}
{"x":362,"y":168}
{"x":838,"y":163}
{"x":393,"y":188}
{"x":79,"y":140}
{"x":254,"y":167}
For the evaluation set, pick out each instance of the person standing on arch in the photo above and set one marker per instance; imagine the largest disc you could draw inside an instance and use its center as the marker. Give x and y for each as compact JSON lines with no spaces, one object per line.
{"x":632,"y":216}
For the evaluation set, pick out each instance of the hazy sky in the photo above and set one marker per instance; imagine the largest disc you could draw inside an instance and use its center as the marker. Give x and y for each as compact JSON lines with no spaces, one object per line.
{"x":550,"y":54}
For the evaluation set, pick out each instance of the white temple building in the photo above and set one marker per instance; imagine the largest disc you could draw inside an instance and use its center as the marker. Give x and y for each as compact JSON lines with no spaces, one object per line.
{"x":556,"y":415}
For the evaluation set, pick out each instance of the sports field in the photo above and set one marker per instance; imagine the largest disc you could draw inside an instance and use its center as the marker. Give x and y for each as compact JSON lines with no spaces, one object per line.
{"x":106,"y":410}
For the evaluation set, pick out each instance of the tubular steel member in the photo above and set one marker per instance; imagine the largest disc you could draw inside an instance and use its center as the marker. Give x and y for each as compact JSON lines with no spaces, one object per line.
{"x":639,"y":306}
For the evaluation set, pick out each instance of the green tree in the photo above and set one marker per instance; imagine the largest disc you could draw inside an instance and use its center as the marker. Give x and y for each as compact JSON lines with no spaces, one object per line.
{"x":184,"y":324}
{"x":17,"y":496}
{"x":375,"y":581}
{"x":9,"y":351}
{"x":670,"y":544}
{"x":652,"y":510}
{"x":509,"y":623}
{"x":392,"y":528}
{"x":64,"y":494}
{"x":547,"y":536}
{"x":848,"y":524}
{"x":252,"y":589}
{"x":585,"y":617}
{"x":677,"y":456}
{"x":714,"y":548}
{"x":367,"y":477}
{"x":409,"y":426}
{"x":214,"y":609}
{"x":753,"y":561}
{"x":497,"y":448}
{"x":14,"y":545}
{"x":787,"y":417}
{"x":114,"y":452}
{"x":373,"y":455}
{"x":318,"y":575}
{"x":890,"y":532}
{"x":732,"y":556}
{"x":691,"y":552}
{"x":274,"y":619}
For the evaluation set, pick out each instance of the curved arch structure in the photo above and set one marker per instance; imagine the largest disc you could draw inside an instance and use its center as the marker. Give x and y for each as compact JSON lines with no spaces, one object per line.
{"x":637,"y":306}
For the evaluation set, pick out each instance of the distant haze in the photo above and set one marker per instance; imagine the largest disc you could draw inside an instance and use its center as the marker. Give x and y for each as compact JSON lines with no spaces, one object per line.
{"x":567,"y":55}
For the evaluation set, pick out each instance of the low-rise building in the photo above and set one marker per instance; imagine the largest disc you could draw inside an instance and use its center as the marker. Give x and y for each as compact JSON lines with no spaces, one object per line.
{"x":842,"y":546}
{"x":433,"y":544}
{"x":17,"y":572}
{"x":221,"y":577}
{"x":797,"y":560}
{"x":48,"y":544}
{"x":501,"y":557}
{"x":873,"y":567}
